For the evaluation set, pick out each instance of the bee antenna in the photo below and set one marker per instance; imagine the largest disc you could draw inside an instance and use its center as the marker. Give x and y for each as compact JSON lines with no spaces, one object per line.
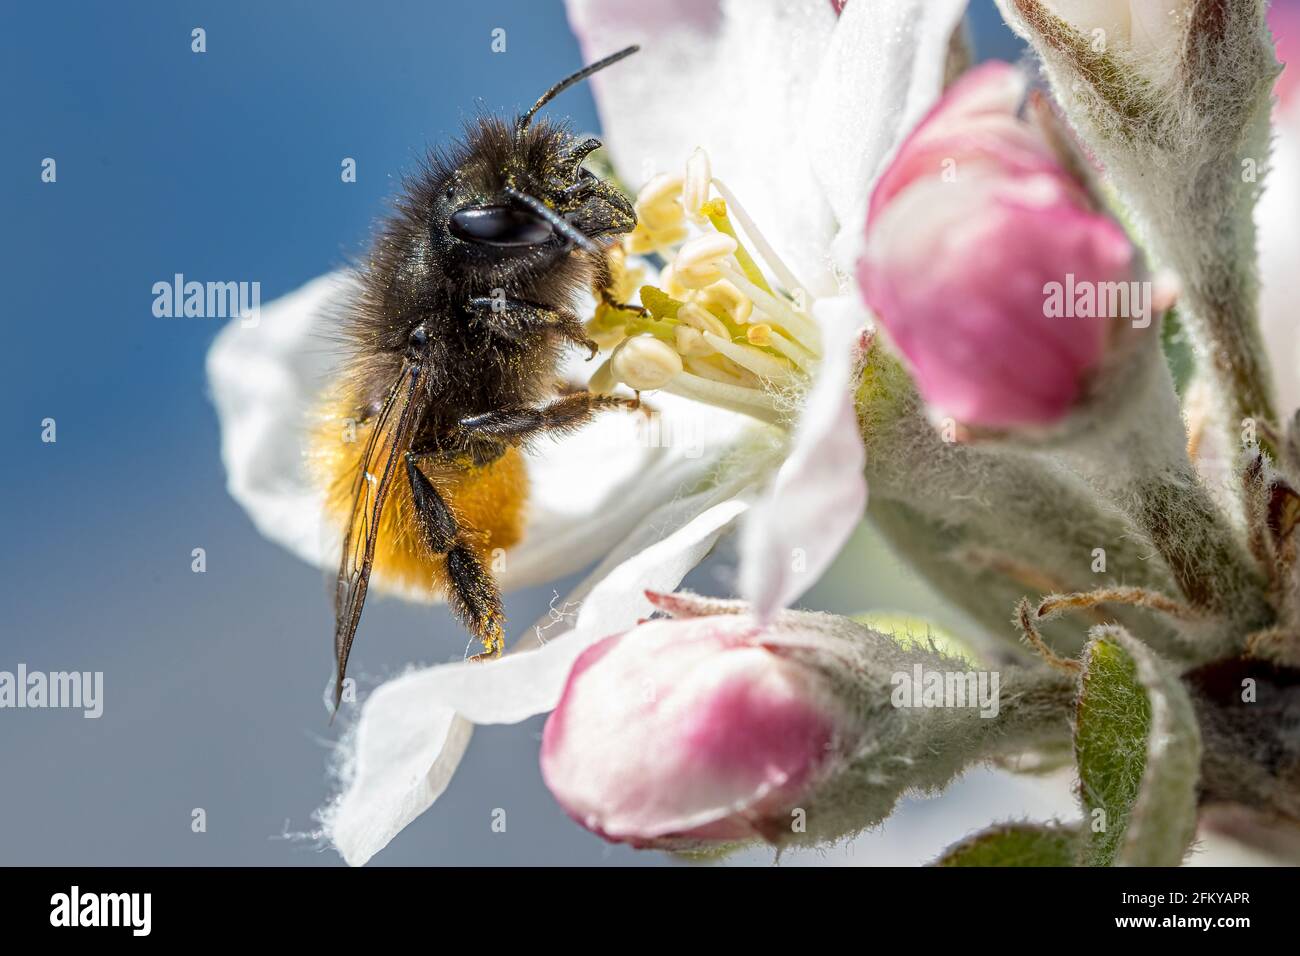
{"x":569,"y":81}
{"x":561,"y":225}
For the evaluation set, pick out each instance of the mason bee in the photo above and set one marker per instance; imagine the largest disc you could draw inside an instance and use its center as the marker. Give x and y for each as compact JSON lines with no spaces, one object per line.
{"x":451,"y":354}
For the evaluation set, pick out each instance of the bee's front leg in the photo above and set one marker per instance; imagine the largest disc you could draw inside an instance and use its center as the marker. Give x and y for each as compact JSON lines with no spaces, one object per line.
{"x":520,"y":423}
{"x":610,"y":275}
{"x":607,"y":298}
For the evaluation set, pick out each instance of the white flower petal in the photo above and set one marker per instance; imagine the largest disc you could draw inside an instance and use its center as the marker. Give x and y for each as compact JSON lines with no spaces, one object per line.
{"x":819,"y":494}
{"x":664,"y":549}
{"x":264,"y":378}
{"x":883,"y":68}
{"x":413,"y":730}
{"x":402,"y":756}
{"x":588,"y":490}
{"x":740,"y":88}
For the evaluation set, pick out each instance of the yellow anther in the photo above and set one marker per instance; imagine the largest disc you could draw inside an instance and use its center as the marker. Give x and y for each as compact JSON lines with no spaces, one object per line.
{"x":660,"y":189}
{"x":645,"y":363}
{"x":714,"y":207}
{"x":661,"y":216}
{"x":638,"y":242}
{"x":695,"y":187}
{"x":698,"y":261}
{"x":698,"y":341}
{"x":697,"y":318}
{"x":691,"y":341}
{"x":724,"y":298}
{"x":668,"y":282}
{"x":641,"y":241}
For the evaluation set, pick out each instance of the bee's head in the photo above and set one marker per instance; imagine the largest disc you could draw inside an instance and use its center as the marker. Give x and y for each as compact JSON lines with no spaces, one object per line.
{"x":519,"y":192}
{"x":523,"y":194}
{"x":511,"y":202}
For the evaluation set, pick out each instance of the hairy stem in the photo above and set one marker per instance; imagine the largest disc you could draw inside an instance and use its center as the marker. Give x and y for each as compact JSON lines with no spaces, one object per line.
{"x":1136,"y":459}
{"x":1221,"y":309}
{"x":987,"y":524}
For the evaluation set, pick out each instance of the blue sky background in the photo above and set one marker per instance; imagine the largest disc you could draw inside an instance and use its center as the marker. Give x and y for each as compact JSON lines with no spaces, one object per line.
{"x":222,"y":166}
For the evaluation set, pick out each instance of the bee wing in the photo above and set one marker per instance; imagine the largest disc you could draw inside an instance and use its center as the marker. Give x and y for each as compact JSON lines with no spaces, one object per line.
{"x":389,"y":439}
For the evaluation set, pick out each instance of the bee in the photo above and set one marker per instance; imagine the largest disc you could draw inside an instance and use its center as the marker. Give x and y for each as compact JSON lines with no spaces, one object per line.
{"x":465,"y":305}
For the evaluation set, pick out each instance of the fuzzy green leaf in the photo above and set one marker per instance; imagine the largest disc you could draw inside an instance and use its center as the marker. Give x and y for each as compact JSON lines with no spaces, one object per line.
{"x":1178,"y":350}
{"x":1138,"y":753}
{"x":1015,"y":844}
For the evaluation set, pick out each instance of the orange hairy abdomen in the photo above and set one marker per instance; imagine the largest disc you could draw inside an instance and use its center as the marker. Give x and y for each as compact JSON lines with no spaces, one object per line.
{"x":488,"y":503}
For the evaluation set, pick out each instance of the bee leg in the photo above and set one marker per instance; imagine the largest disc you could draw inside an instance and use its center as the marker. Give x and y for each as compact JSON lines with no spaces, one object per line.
{"x":473,"y":594}
{"x":561,"y":416}
{"x":607,"y":298}
{"x":605,"y":285}
{"x":571,"y":328}
{"x":515,"y":318}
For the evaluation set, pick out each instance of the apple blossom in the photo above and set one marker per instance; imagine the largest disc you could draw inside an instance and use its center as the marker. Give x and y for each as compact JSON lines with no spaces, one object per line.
{"x":978,"y":236}
{"x":716,"y":735}
{"x":1173,"y":100}
{"x":713,"y":727}
{"x":789,"y":167}
{"x":781,"y":450}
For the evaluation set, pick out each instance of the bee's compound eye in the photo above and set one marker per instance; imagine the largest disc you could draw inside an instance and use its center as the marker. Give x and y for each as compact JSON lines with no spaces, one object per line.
{"x":419,"y":337}
{"x":499,"y":226}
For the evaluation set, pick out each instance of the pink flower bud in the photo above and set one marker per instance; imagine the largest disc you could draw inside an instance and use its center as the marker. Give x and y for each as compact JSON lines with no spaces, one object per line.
{"x":991,"y":266}
{"x":1284,"y":21}
{"x":690,"y":731}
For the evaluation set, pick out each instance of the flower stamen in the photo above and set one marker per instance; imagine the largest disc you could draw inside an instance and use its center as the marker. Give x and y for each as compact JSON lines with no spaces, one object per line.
{"x":773,"y":261}
{"x":719,"y":331}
